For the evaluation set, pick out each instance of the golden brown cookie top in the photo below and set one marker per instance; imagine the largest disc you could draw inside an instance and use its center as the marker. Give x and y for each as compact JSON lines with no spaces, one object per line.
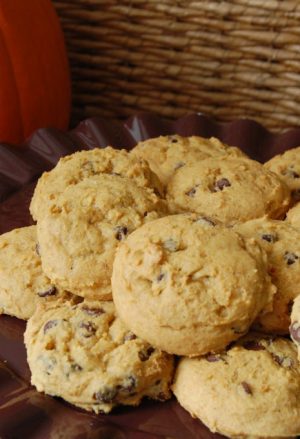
{"x":281,"y":242}
{"x":229,"y":189}
{"x":23,"y":284}
{"x":166,"y":154}
{"x":83,"y":353}
{"x":287,"y":166}
{"x":73,"y":169}
{"x":83,"y":226}
{"x":250,"y":390}
{"x":187,"y":286}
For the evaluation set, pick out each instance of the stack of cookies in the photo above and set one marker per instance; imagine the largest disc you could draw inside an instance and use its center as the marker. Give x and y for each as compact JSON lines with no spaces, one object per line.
{"x":179,"y":248}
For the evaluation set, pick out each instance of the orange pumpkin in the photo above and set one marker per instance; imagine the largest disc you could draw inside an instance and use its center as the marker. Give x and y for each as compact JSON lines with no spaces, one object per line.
{"x":34,"y":74}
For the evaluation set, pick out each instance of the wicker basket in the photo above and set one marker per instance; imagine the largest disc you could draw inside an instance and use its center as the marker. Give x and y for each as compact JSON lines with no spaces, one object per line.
{"x":227,"y":59}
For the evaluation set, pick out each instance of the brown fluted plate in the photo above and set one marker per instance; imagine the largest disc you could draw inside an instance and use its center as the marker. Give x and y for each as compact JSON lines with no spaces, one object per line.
{"x":25,"y":413}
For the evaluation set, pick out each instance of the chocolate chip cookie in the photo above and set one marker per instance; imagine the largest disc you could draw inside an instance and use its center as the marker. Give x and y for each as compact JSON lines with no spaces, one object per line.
{"x":166,"y":154}
{"x":229,"y":189}
{"x":84,"y":354}
{"x":23,"y":284}
{"x":80,"y":231}
{"x":281,"y":242}
{"x":189,"y":287}
{"x":76,"y":167}
{"x":287,"y":166}
{"x":250,"y":390}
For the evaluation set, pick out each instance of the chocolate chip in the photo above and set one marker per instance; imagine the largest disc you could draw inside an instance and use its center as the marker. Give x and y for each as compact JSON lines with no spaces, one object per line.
{"x":106,"y":396}
{"x":238,"y":330}
{"x":93,"y":311}
{"x":171,"y":245}
{"x":269,"y":237}
{"x":38,"y":249}
{"x":121,"y":232}
{"x":289,"y":172}
{"x":296,"y":194}
{"x":282,"y":361}
{"x":290,"y":258}
{"x":145,"y":354}
{"x":52,"y":291}
{"x":129,"y":384}
{"x":116,"y":174}
{"x":173,"y":139}
{"x":160,"y":277}
{"x":179,"y":165}
{"x":247,"y":387}
{"x":277,"y":359}
{"x":253,"y":345}
{"x":271,"y":271}
{"x":162,"y":397}
{"x":295,"y":332}
{"x":191,"y":192}
{"x":221,"y":184}
{"x":50,"y":324}
{"x":75,"y":367}
{"x":129,"y":336}
{"x":89,"y":328}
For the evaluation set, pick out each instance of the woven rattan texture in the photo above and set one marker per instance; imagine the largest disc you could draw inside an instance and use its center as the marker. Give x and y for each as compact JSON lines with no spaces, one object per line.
{"x":227,"y":59}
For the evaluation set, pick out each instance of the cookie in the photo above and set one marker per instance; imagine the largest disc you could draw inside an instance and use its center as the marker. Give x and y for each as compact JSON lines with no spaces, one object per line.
{"x":76,"y":167}
{"x":293,"y":216}
{"x":250,"y":390}
{"x":166,"y":154}
{"x":23,"y":284}
{"x":189,"y":287}
{"x":230,"y":190}
{"x":287,"y":166}
{"x":81,"y":230}
{"x":295,"y":324}
{"x":281,"y":242}
{"x":84,"y":354}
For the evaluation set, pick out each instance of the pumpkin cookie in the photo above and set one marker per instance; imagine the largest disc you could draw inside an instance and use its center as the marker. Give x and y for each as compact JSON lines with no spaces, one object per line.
{"x":72,"y":169}
{"x":250,"y":390}
{"x":166,"y":154}
{"x":281,"y":242}
{"x":230,"y":190}
{"x":287,"y":166}
{"x":189,"y":288}
{"x":23,"y":284}
{"x":84,"y":354}
{"x":81,"y":230}
{"x":293,"y":216}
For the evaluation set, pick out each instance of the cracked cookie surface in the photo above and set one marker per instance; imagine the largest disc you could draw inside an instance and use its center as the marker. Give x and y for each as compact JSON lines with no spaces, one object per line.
{"x":74,"y":168}
{"x":83,"y":353}
{"x":80,"y":232}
